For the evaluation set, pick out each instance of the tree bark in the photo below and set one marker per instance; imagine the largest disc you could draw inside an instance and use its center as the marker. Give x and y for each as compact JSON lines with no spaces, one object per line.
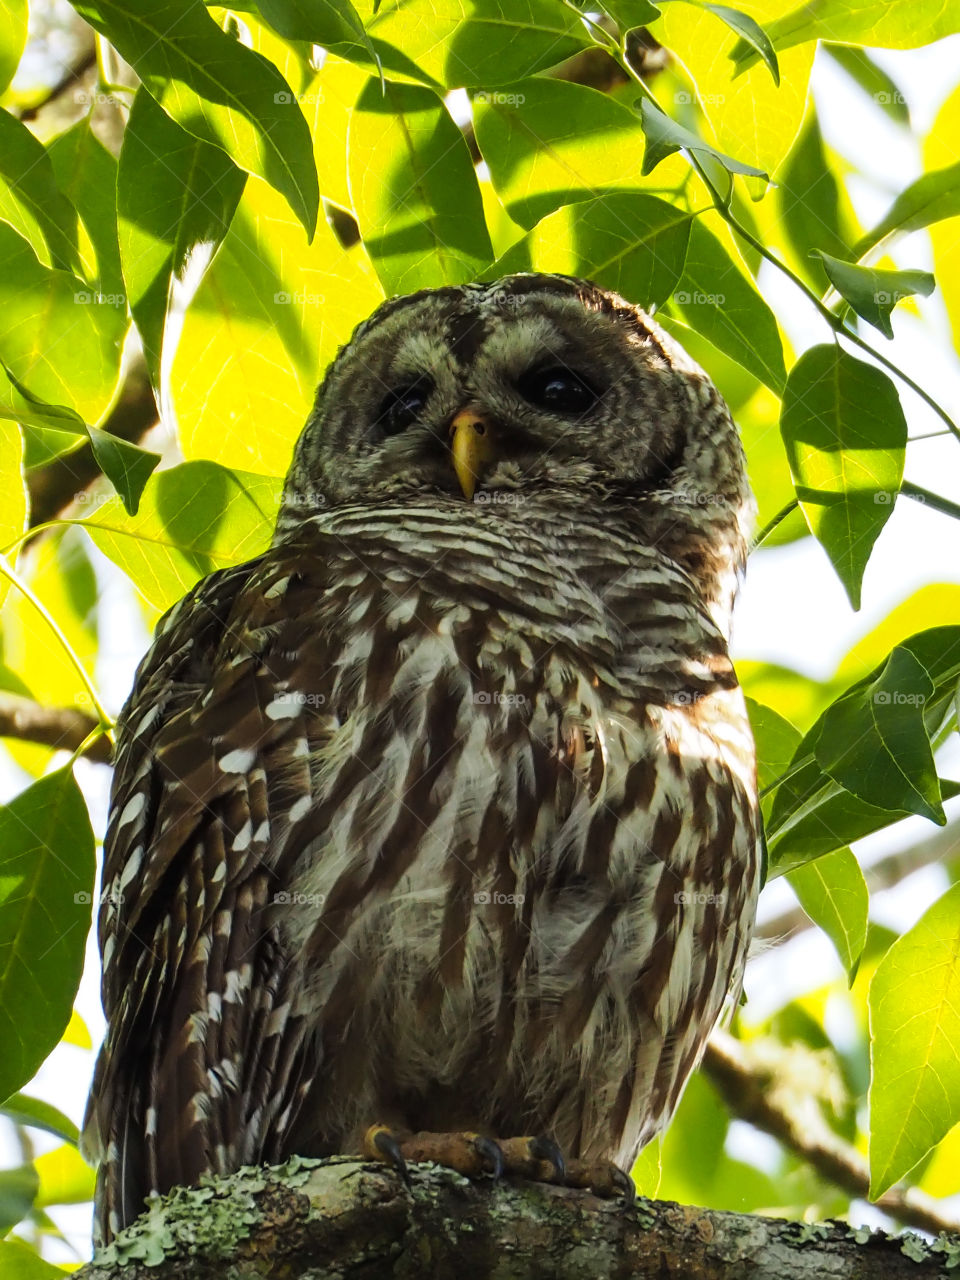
{"x":340,"y":1218}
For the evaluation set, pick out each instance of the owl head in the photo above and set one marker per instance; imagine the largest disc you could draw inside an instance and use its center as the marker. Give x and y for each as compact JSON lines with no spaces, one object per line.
{"x":545,"y":385}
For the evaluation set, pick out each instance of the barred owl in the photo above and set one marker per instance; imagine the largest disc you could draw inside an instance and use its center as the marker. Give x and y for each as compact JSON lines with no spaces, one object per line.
{"x":440,"y":816}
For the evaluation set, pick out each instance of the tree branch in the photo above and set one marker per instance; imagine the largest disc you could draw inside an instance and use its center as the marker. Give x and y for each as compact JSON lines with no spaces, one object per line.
{"x":758,"y":1086}
{"x":66,"y":728}
{"x":314,"y":1220}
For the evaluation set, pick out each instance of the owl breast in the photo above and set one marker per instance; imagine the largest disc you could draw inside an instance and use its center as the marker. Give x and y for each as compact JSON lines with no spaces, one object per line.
{"x":515,"y":872}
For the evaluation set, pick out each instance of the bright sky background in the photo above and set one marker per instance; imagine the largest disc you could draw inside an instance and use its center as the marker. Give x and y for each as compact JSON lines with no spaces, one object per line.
{"x":792,"y":610}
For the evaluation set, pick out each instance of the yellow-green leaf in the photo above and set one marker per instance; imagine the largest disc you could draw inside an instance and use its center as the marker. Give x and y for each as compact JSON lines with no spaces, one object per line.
{"x":914,"y":1038}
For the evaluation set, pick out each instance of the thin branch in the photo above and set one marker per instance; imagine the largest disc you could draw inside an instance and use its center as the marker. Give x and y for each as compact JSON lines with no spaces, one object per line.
{"x":66,"y":728}
{"x":756,"y":1083}
{"x":73,"y":75}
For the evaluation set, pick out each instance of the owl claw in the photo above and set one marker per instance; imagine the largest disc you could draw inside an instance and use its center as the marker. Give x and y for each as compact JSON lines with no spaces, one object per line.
{"x":492,"y":1155}
{"x":383,"y":1145}
{"x":543,"y":1148}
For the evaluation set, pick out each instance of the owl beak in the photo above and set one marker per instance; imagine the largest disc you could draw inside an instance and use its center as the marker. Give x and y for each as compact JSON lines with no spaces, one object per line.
{"x":471,"y":445}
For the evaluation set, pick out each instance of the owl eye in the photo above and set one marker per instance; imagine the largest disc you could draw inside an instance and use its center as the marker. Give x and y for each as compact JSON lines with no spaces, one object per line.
{"x":403,"y":406}
{"x":559,"y":390}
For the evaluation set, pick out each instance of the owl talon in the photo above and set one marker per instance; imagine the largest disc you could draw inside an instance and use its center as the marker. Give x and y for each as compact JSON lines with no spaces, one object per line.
{"x":383,"y":1145}
{"x":603,"y":1178}
{"x":543,"y":1148}
{"x":492,"y":1155}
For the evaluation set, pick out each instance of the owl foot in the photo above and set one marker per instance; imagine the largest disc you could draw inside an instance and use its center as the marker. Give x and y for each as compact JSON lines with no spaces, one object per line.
{"x":539,"y":1159}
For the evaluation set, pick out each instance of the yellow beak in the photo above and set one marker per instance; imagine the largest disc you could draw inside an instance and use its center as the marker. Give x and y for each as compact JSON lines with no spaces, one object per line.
{"x":471,"y":446}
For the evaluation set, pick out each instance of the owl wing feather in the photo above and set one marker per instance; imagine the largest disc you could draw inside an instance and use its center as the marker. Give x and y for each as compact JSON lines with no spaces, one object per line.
{"x":204,"y":1059}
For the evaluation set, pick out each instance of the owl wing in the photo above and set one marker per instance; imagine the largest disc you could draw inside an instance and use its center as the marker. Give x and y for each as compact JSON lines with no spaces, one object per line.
{"x":204,"y":1053}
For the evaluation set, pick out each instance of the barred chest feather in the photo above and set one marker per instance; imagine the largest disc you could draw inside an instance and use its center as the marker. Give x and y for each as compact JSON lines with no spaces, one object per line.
{"x":526,"y":805}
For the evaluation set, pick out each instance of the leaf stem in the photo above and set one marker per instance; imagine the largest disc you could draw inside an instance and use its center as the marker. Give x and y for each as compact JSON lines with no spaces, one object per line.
{"x":106,"y":720}
{"x":919,"y":494}
{"x":769,"y":527}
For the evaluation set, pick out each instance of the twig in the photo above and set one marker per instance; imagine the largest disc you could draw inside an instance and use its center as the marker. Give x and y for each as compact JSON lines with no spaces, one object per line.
{"x":755,"y":1081}
{"x":66,"y":728}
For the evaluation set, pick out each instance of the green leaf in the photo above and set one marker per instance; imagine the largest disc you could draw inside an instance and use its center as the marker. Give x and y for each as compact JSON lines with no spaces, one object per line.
{"x":323,"y":22}
{"x":872,"y":79}
{"x":13,"y":510}
{"x":473,"y":44}
{"x":268,"y":317}
{"x":664,"y":136}
{"x":22,"y":1109}
{"x":776,"y":741}
{"x":30,"y":199}
{"x":126,"y":465}
{"x":833,"y":893}
{"x":633,"y":244}
{"x":414,"y":190}
{"x":914,"y":1003}
{"x":550,"y":142}
{"x":811,"y":814}
{"x":874,"y":293}
{"x":174,"y":191}
{"x":874,"y":743}
{"x":750,"y":116}
{"x":714,"y":297}
{"x":19,"y":1262}
{"x":752,"y":35}
{"x":808,"y":203}
{"x":18,"y":1190}
{"x":193,"y":519}
{"x":216,"y":89}
{"x":628,"y":14}
{"x":13,"y":38}
{"x":882,"y":24}
{"x":46,"y":874}
{"x":65,"y":1177}
{"x":933,"y":197}
{"x":77,"y":362}
{"x":86,"y":174}
{"x":845,"y":436}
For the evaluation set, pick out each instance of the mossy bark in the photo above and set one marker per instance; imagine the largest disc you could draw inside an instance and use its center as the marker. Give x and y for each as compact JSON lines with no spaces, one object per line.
{"x":342,"y":1218}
